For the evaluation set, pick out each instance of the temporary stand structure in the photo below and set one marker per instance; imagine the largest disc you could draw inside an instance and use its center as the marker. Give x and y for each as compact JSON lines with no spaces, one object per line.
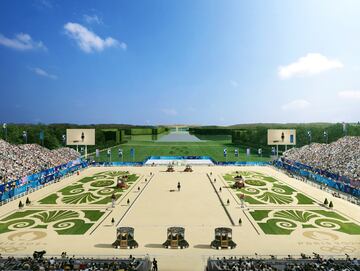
{"x":223,"y":239}
{"x":176,"y":238}
{"x":188,"y":169}
{"x":125,"y":238}
{"x":170,"y":168}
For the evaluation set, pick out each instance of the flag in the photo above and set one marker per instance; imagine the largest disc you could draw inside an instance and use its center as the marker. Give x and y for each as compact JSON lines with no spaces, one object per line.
{"x":225,"y":152}
{"x":132,"y":152}
{"x":120,"y":152}
{"x":236,"y":152}
{"x":109,"y":152}
{"x":97,"y":152}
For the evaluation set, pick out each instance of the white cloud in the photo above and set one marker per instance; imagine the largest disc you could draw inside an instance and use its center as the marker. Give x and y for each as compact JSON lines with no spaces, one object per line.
{"x":88,"y":41}
{"x":296,"y":105}
{"x":169,"y":111}
{"x":349,"y":94}
{"x":43,"y":73}
{"x":90,"y":19}
{"x":311,"y":64}
{"x":43,"y":4}
{"x":21,"y":42}
{"x":234,"y":83}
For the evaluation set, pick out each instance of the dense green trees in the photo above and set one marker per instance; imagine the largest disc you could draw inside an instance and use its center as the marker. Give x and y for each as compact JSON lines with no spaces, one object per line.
{"x":53,"y":134}
{"x":250,"y":135}
{"x":246,"y":135}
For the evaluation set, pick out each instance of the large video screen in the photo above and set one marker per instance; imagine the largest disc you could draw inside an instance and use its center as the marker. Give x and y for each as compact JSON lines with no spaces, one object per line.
{"x":80,"y":136}
{"x":281,"y":137}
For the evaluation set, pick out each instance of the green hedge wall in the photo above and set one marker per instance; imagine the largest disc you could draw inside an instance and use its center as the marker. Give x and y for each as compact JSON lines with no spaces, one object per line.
{"x":258,"y":135}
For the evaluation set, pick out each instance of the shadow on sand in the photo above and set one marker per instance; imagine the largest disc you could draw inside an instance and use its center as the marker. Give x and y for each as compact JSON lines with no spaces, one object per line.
{"x":202,"y":246}
{"x":154,"y":246}
{"x":103,"y":246}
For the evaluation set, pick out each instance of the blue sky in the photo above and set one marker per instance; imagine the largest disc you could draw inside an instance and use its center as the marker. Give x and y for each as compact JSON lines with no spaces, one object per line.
{"x":165,"y":62}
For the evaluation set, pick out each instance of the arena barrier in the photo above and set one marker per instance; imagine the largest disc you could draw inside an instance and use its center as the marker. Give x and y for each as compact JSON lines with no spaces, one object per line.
{"x":243,"y":163}
{"x":180,"y":158}
{"x":117,"y":164}
{"x":35,"y":181}
{"x":341,"y":184}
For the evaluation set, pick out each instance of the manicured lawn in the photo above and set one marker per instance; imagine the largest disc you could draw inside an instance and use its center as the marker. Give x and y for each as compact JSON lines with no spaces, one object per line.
{"x":302,"y":199}
{"x":259,"y":214}
{"x":61,"y":221}
{"x":270,"y":227}
{"x":96,"y":189}
{"x":51,"y":199}
{"x":251,"y":200}
{"x":93,"y":215}
{"x":80,"y":227}
{"x":262,"y":189}
{"x":330,"y":214}
{"x":144,"y":149}
{"x":287,"y":221}
{"x":19,"y":214}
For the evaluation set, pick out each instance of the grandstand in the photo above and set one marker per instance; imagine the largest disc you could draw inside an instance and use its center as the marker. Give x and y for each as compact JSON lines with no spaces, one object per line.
{"x":341,"y":157}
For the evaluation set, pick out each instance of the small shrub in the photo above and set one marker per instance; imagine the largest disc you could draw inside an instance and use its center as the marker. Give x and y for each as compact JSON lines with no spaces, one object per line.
{"x":326,"y":201}
{"x":331,"y":204}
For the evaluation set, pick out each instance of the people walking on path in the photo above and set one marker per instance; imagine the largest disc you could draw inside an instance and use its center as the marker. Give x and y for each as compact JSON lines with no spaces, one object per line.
{"x":154,"y":265}
{"x":113,"y":199}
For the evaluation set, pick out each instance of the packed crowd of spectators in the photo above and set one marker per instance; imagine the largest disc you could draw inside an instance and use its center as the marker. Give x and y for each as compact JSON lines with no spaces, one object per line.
{"x":250,"y":264}
{"x":341,"y":157}
{"x":17,"y":161}
{"x":73,"y":263}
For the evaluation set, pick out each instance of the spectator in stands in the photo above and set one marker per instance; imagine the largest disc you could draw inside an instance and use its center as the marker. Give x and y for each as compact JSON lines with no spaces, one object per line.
{"x":18,"y":161}
{"x":342,"y":157}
